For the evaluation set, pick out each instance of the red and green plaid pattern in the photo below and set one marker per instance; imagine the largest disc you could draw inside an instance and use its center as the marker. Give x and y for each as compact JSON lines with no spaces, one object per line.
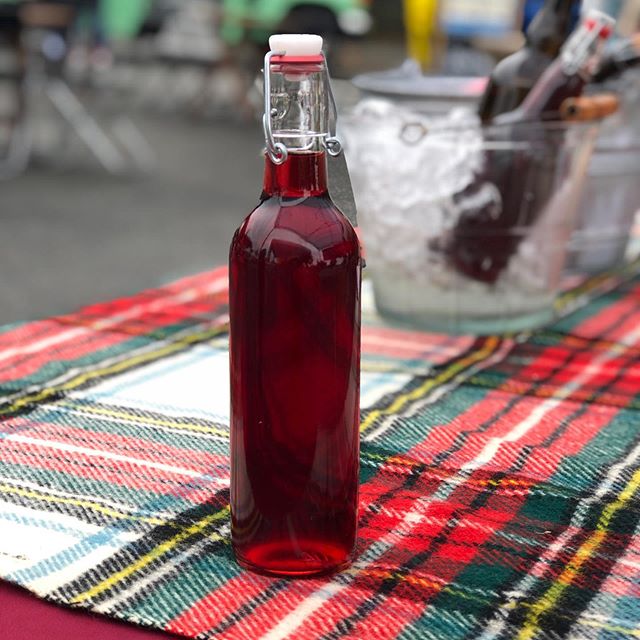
{"x":499,"y":488}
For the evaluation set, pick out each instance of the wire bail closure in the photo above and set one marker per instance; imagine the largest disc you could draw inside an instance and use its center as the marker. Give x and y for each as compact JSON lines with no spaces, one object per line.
{"x":277,"y":151}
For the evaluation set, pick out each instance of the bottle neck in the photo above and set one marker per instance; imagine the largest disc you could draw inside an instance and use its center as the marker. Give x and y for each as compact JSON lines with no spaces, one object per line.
{"x":550,"y":28}
{"x":567,"y":75}
{"x":302,"y":175}
{"x":546,"y":97}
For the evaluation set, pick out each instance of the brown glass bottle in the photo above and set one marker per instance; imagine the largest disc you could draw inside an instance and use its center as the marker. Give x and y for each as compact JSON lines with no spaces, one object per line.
{"x":566,"y":77}
{"x":489,"y":231}
{"x":514,"y":77}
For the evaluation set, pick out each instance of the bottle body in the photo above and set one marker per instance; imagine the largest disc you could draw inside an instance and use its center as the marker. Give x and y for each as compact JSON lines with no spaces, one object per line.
{"x":295,"y":274}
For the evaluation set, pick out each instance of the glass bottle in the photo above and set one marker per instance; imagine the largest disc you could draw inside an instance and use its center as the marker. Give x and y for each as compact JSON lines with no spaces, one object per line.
{"x":514,"y":77}
{"x":568,"y":75}
{"x":295,"y":275}
{"x":494,"y":215}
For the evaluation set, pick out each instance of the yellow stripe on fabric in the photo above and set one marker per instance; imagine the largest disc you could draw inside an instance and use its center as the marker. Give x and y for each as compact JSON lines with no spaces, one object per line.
{"x":610,"y":627}
{"x":445,"y":376}
{"x":591,"y":284}
{"x":95,"y":506}
{"x":439,"y":473}
{"x":582,"y":621}
{"x":555,"y":392}
{"x":119,"y":367}
{"x":158,"y":422}
{"x":149,"y":557}
{"x":423,"y":582}
{"x":76,"y":502}
{"x":397,"y":368}
{"x":451,"y":590}
{"x":626,"y":271}
{"x":584,"y":553}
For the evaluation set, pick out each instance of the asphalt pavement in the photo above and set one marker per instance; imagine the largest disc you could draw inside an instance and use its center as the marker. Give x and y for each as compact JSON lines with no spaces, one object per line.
{"x":71,"y":234}
{"x":76,"y":235}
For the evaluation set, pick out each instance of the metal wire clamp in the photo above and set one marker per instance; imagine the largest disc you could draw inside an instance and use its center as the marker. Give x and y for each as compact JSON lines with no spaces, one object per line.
{"x":277,"y":151}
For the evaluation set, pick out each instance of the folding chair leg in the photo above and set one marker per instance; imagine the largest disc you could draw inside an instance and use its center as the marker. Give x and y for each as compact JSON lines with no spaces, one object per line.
{"x":90,"y":132}
{"x":19,"y":154}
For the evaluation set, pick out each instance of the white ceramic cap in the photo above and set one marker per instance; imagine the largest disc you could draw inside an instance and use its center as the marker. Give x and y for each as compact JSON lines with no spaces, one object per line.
{"x":296,"y":44}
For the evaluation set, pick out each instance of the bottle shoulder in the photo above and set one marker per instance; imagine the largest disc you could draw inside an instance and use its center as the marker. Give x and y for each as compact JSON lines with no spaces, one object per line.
{"x":309,"y":229}
{"x":523,"y":67}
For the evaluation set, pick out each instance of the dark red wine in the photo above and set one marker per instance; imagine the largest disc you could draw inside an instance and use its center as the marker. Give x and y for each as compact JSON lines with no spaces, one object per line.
{"x":501,"y":204}
{"x":295,"y":275}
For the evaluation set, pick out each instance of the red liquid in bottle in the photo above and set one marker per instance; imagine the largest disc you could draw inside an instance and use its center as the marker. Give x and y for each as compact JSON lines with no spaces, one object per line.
{"x":295,"y":359}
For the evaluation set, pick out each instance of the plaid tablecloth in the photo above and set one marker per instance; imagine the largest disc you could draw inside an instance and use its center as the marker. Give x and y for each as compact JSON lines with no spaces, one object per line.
{"x":499,"y":490}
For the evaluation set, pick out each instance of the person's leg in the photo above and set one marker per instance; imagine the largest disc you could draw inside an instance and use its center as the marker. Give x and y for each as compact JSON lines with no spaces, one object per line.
{"x":11,"y":35}
{"x":99,"y":32}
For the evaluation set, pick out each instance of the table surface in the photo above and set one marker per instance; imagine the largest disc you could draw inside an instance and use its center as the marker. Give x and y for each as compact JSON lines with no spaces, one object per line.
{"x":500,"y":477}
{"x":25,"y":617}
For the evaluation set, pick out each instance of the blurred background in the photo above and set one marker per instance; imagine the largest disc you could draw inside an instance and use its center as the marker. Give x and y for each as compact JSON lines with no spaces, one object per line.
{"x":130,"y":148}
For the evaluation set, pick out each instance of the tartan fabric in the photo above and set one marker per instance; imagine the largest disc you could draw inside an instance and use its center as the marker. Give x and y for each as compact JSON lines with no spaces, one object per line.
{"x":500,"y":477}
